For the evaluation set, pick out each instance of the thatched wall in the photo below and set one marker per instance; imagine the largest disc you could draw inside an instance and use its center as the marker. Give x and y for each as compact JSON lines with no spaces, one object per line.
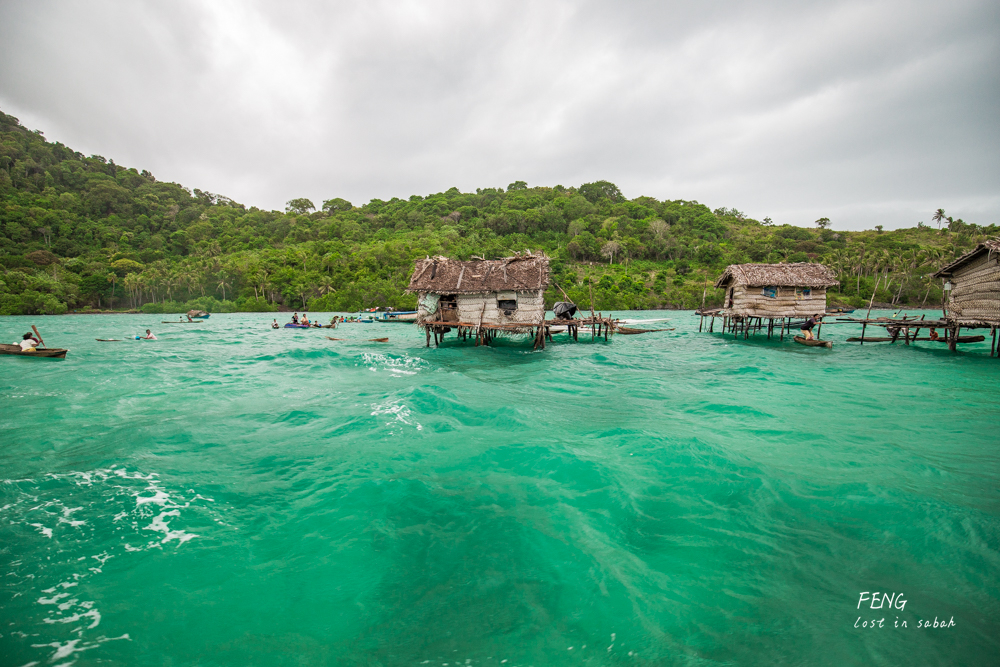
{"x":530,"y":308}
{"x":751,"y":302}
{"x":975,"y":290}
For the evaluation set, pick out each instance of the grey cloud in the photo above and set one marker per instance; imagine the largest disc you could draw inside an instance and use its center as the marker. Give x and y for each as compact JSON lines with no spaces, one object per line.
{"x":865,"y":112}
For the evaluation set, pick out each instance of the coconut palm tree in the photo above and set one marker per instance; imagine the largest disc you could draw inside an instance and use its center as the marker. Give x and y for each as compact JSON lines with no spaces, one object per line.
{"x":939,"y":217}
{"x":113,"y":279}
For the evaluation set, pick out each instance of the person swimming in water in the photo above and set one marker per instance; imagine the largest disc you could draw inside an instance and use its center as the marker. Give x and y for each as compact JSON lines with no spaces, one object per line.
{"x":274,"y":325}
{"x":149,"y":335}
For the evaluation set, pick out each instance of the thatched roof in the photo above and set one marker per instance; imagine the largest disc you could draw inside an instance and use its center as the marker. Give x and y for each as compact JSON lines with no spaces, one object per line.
{"x":800,"y":274}
{"x":441,"y":275}
{"x":993,"y":245}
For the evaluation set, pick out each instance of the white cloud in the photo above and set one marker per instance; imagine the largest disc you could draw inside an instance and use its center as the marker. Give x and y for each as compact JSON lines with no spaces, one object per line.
{"x":865,"y":112}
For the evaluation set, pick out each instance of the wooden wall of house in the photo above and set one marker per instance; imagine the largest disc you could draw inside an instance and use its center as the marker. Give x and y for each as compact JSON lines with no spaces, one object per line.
{"x":530,"y":308}
{"x":751,"y":302}
{"x":975,"y":291}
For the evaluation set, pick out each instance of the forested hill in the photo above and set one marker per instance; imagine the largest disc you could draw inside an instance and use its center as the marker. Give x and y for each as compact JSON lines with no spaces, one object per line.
{"x":85,"y":233}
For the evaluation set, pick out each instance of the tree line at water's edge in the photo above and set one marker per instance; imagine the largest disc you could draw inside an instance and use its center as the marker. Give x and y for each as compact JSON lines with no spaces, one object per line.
{"x":82,"y":233}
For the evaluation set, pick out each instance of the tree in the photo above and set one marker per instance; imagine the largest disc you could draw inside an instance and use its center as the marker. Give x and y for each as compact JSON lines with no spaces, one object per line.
{"x":300,"y":206}
{"x":598,"y":190}
{"x":939,"y":217}
{"x":823,"y":223}
{"x":878,"y":228}
{"x":113,"y":279}
{"x":610,"y":249}
{"x":517,"y":185}
{"x":336,"y":205}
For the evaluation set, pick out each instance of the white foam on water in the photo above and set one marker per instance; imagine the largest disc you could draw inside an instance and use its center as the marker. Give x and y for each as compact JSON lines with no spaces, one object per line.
{"x":400,"y":412}
{"x":47,"y":532}
{"x":398,"y":366}
{"x":162,"y":526}
{"x":125,"y":500}
{"x":65,"y":650}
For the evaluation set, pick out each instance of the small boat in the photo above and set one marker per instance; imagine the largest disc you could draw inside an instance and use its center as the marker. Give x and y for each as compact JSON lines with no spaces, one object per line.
{"x":292,"y":325}
{"x":176,"y":322}
{"x":628,"y":331}
{"x":332,"y":338}
{"x":657,"y":319}
{"x":941,"y":339}
{"x":50,"y":352}
{"x":407,"y":317}
{"x":378,"y":340}
{"x":108,"y":340}
{"x":802,"y":340}
{"x":198,"y":314}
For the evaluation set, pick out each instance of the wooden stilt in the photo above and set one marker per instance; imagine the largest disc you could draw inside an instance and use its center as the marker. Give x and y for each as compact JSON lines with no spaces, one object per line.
{"x":994,"y":343}
{"x":953,"y":343}
{"x":863,"y":327}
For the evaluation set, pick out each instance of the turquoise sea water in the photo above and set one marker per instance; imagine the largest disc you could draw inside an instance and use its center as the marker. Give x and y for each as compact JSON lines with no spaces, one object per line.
{"x":233,"y":495}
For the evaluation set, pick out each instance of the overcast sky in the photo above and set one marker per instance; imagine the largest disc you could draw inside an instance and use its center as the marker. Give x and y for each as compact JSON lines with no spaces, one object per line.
{"x":864,"y":112}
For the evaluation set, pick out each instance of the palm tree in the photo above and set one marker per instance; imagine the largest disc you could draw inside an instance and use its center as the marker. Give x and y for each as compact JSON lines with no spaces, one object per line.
{"x":939,"y":217}
{"x":325,"y":285}
{"x":223,"y":285}
{"x":113,"y":279}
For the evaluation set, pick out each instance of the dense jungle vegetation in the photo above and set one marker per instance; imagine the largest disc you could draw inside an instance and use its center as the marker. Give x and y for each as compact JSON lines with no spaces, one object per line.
{"x":80,"y":233}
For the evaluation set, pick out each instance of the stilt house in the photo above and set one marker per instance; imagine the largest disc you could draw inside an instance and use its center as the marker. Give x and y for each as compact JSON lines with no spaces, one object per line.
{"x":774,"y":291}
{"x":499,"y":292}
{"x":975,"y":286}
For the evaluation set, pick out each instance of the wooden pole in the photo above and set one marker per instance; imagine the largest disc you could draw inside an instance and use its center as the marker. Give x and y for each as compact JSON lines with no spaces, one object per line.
{"x":863,"y":327}
{"x":40,"y":341}
{"x":994,"y":343}
{"x":873,"y":297}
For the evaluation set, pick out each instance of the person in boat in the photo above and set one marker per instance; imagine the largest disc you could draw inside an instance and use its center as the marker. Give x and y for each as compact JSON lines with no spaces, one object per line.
{"x":274,"y":324}
{"x":305,"y":319}
{"x":149,"y":335}
{"x":28,"y":343}
{"x":934,"y":334}
{"x":295,"y":318}
{"x":807,"y":326}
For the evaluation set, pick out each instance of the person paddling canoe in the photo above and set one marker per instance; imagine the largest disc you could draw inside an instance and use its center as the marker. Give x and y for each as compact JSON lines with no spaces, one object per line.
{"x":28,"y":343}
{"x":807,"y":326}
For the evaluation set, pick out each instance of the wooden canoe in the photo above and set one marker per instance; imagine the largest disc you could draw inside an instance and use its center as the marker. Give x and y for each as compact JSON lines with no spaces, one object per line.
{"x":50,"y":352}
{"x":628,"y":331}
{"x":802,"y":340}
{"x":177,"y":322}
{"x":887,"y":339}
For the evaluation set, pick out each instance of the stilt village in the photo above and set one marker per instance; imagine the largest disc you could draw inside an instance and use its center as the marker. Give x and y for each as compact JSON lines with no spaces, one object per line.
{"x":481,"y":300}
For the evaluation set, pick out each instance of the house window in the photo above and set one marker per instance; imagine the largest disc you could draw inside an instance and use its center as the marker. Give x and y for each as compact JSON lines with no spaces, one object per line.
{"x":508,"y":306}
{"x":507,"y":302}
{"x":802,"y":292}
{"x":771,"y":292}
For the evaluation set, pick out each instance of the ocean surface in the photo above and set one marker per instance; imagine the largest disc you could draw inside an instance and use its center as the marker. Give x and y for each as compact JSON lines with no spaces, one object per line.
{"x":233,"y":495}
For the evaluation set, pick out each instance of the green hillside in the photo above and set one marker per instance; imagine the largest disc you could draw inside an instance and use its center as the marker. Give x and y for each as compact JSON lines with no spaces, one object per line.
{"x":81,"y":233}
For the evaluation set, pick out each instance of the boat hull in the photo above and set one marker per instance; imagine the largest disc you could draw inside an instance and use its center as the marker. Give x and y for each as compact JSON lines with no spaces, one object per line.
{"x":801,"y":340}
{"x":49,"y":353}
